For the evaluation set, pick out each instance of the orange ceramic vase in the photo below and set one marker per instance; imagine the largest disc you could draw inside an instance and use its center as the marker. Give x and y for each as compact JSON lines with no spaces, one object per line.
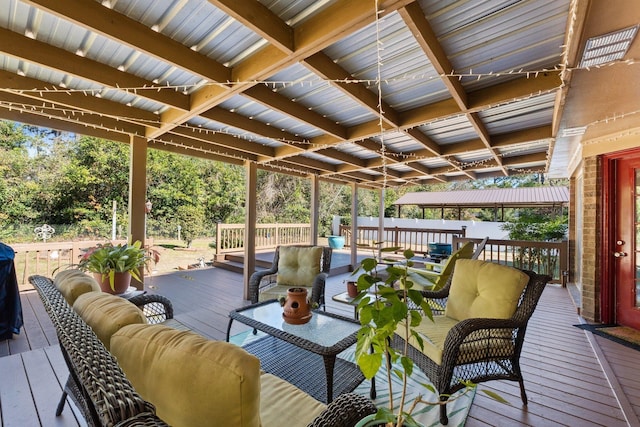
{"x":296,"y":309}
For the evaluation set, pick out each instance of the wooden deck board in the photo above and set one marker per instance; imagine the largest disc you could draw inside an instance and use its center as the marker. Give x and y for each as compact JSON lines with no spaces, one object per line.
{"x":565,"y":382}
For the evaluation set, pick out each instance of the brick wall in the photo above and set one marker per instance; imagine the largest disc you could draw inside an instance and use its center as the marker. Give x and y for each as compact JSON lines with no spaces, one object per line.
{"x":591,"y":238}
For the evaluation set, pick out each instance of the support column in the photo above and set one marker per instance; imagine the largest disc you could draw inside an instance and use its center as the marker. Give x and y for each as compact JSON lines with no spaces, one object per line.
{"x":251,"y":177}
{"x":137,"y":196}
{"x":353,"y":244}
{"x":381,"y":236}
{"x":315,"y":208}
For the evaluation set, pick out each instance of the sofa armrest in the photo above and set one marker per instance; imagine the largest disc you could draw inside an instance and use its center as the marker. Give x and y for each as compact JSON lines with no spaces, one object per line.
{"x":156,"y":308}
{"x":345,"y":411}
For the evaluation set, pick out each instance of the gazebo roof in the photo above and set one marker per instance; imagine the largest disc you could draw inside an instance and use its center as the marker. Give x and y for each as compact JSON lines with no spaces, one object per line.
{"x":492,"y":197}
{"x":418,"y":92}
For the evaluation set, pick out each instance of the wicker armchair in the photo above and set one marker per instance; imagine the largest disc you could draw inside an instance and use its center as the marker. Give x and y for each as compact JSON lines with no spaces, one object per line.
{"x":266,"y":281}
{"x":476,"y":349}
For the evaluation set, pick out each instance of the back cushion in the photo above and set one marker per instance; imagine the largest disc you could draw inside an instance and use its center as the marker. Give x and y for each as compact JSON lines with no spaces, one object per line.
{"x":298,"y":266}
{"x":72,"y":283}
{"x":484,"y":289}
{"x":191,"y":381}
{"x":107,"y":313}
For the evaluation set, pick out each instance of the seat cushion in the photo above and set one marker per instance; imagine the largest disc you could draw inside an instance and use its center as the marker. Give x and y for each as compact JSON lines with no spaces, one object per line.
{"x":484,"y":289}
{"x":298,"y":266}
{"x":283,"y":403}
{"x":72,"y":283}
{"x":191,"y":381}
{"x":433,"y":335}
{"x":107,"y":313}
{"x":277,"y":292}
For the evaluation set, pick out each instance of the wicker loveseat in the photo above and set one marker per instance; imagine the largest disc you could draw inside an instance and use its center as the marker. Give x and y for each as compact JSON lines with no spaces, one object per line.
{"x":155,"y":355}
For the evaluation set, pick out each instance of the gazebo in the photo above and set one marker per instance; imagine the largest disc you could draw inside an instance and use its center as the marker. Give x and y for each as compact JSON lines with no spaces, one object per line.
{"x":496,"y":198}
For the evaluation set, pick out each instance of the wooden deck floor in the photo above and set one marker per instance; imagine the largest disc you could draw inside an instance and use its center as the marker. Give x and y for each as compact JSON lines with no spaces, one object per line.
{"x":572,"y":377}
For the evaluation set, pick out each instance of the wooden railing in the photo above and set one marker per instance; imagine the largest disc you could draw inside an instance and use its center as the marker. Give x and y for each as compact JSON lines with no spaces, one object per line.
{"x":542,"y":257}
{"x":416,"y":239}
{"x":230,"y":237}
{"x":47,"y":258}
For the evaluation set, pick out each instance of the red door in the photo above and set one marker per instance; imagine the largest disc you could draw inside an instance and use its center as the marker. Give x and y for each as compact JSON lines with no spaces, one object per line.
{"x":626,"y":247}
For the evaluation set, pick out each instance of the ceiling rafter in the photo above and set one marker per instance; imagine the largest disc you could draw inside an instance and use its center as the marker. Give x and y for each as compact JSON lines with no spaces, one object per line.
{"x":415,"y":19}
{"x":94,"y":17}
{"x":48,"y":56}
{"x":23,"y":86}
{"x":261,"y":20}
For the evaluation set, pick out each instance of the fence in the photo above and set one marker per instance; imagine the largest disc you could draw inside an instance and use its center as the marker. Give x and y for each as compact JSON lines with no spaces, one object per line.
{"x":416,"y":239}
{"x":230,"y":237}
{"x":542,"y":257}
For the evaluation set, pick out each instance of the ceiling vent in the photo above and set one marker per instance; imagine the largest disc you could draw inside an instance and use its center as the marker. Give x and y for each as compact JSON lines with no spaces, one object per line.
{"x":608,"y":47}
{"x":577,"y":131}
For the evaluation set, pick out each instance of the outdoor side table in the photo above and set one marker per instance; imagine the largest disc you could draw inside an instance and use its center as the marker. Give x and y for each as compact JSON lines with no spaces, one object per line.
{"x":326,"y":334}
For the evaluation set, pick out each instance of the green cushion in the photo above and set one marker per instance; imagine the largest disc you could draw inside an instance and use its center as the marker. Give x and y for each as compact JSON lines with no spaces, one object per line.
{"x":191,"y":381}
{"x":107,"y":313}
{"x":72,"y":283}
{"x":484,"y":289}
{"x":280,"y":401}
{"x":433,"y":335}
{"x":276,"y":292}
{"x":298,"y":266}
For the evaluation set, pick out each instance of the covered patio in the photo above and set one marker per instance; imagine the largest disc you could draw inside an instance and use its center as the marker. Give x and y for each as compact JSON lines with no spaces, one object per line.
{"x":573,"y":377}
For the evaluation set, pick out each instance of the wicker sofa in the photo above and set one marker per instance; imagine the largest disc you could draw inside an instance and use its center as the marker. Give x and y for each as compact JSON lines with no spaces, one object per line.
{"x":193,"y":377}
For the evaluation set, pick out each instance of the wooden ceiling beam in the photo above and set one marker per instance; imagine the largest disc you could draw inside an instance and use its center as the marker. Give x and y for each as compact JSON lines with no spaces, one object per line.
{"x":257,"y":127}
{"x":414,"y":18}
{"x":239,"y":145}
{"x":186,"y":151}
{"x":27,"y":116}
{"x":24,"y":86}
{"x":254,"y":15}
{"x":12,"y":101}
{"x":262,"y":94}
{"x":338,"y":77}
{"x":63,"y":61}
{"x":206,"y":146}
{"x":310,"y":37}
{"x":94,"y":17}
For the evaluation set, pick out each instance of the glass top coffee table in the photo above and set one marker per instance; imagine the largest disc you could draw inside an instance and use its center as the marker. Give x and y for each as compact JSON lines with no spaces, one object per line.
{"x":295,"y":346}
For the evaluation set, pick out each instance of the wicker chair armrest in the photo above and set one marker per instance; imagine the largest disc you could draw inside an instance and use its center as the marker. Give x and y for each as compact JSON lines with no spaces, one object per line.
{"x":317,"y":290}
{"x":345,"y":411}
{"x":256,"y":278}
{"x":156,"y":308}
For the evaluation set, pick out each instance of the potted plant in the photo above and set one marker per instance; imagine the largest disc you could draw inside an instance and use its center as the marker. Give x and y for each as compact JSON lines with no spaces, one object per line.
{"x":114,"y":265}
{"x":396,"y":305}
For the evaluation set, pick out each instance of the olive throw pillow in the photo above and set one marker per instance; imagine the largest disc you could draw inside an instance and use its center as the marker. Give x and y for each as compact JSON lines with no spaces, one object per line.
{"x":484,"y":289}
{"x":298,"y":266}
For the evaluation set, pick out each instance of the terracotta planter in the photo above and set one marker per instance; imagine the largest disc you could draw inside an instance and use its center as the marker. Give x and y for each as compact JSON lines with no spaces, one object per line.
{"x":352,"y":289}
{"x":296,"y":309}
{"x":121,"y":282}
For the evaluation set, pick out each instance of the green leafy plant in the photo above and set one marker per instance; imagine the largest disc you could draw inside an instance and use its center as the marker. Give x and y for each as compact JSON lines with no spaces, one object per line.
{"x":396,"y":305}
{"x":111,"y":259}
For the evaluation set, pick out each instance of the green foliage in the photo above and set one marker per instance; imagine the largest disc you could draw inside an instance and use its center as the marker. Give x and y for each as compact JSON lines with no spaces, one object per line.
{"x":539,"y":225}
{"x":381,"y":318}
